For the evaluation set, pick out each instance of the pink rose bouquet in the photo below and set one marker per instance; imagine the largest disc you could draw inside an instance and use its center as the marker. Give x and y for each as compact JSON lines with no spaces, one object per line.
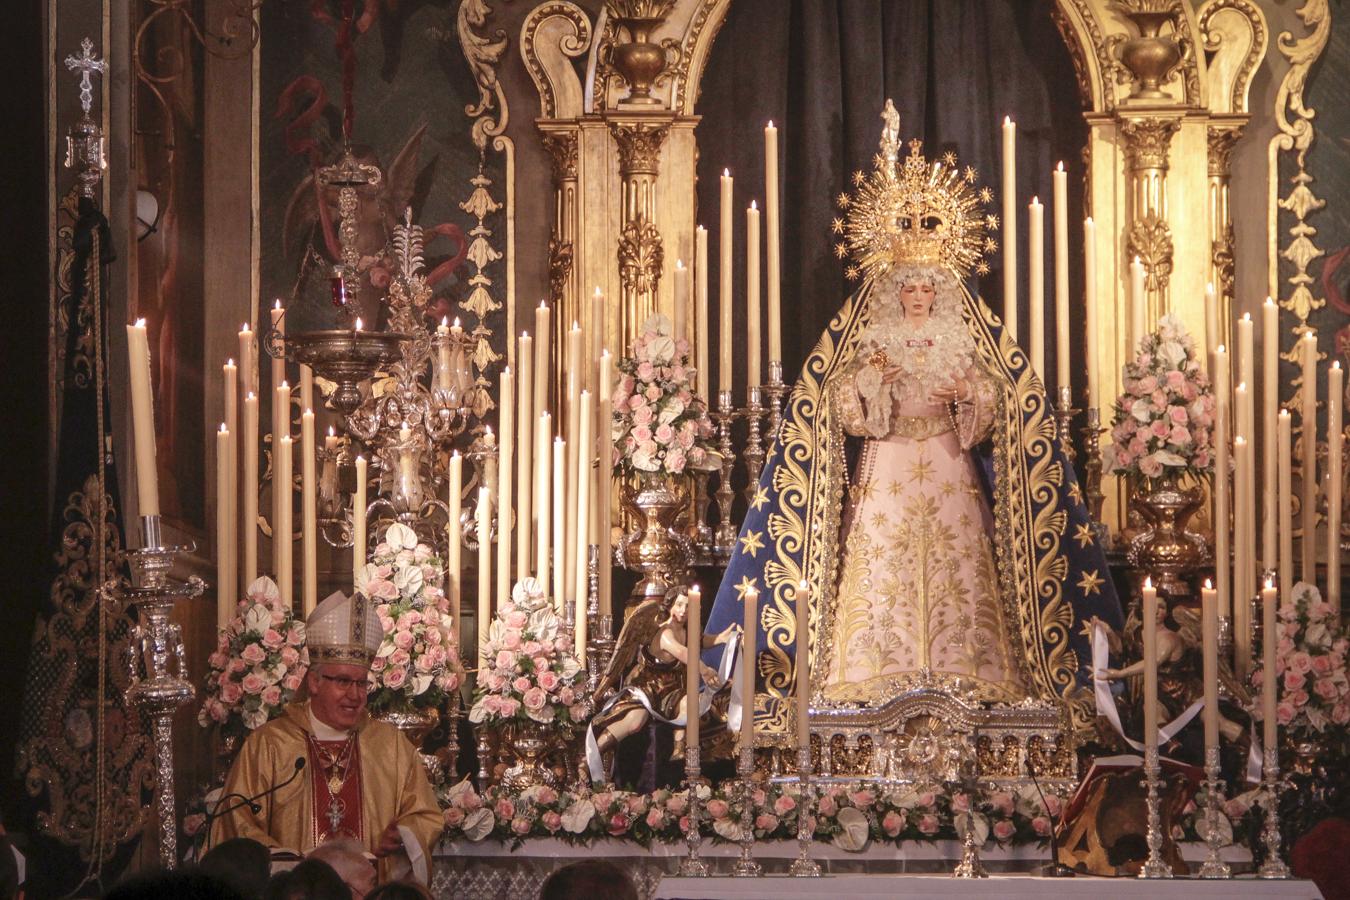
{"x":258,"y":663}
{"x":660,"y":423}
{"x":417,"y":664}
{"x":526,"y":675}
{"x":1314,"y":692}
{"x":1164,"y":418}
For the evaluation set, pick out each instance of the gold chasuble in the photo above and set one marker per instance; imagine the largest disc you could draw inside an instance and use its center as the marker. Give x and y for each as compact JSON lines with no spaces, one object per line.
{"x":353,"y":792}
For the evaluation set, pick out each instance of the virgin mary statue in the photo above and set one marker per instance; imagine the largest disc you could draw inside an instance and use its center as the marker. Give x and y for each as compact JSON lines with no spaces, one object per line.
{"x":917,"y":488}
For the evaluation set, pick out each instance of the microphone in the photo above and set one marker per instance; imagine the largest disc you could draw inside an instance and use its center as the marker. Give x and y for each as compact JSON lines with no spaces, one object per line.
{"x":251,"y":802}
{"x":1054,"y":868}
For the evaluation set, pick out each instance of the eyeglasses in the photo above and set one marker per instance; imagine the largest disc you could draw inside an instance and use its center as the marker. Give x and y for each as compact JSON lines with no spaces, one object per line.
{"x":345,"y":684}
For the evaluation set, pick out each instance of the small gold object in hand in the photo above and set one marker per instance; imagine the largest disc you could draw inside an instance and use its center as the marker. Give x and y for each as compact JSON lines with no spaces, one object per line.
{"x":879,"y":360}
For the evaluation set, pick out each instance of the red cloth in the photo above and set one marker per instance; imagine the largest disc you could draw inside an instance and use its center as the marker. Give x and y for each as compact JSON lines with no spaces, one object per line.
{"x":1320,"y":855}
{"x":349,"y":826}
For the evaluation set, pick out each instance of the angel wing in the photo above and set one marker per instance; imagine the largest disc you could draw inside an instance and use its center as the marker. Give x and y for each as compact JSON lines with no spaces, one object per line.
{"x":1190,"y":627}
{"x":638,"y":629}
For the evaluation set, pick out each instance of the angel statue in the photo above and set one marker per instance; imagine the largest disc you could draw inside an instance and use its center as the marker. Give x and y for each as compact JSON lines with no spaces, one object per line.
{"x":917,"y":486}
{"x":646,"y":678}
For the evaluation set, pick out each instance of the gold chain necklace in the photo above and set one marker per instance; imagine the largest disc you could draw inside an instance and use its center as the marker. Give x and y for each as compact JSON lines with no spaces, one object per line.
{"x":331,"y":761}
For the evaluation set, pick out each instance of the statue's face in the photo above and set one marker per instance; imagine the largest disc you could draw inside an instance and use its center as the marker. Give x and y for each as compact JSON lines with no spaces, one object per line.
{"x":337,"y":694}
{"x":679,"y":610}
{"x":917,"y":299}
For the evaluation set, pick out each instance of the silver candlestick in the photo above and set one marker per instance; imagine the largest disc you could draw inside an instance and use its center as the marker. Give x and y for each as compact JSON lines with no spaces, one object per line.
{"x":754,"y":446}
{"x":692,"y":866}
{"x":746,"y":867}
{"x":775,"y":390}
{"x":153,"y":687}
{"x":1155,"y":866}
{"x":1064,"y":413}
{"x":1272,"y":784}
{"x":1214,"y":866}
{"x":724,"y":539}
{"x":804,"y":866}
{"x":970,"y":866}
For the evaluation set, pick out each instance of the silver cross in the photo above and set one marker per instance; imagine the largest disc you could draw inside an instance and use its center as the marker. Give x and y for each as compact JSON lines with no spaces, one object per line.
{"x":86,"y":64}
{"x":336,"y":810}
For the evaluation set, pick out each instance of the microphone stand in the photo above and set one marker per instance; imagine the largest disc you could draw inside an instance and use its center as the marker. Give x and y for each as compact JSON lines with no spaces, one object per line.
{"x":251,"y":802}
{"x":1055,"y":868}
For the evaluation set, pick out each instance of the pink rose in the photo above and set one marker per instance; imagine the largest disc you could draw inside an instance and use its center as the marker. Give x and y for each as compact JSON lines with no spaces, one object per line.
{"x":253,"y":654}
{"x":218,"y":660}
{"x":1325,"y":688}
{"x":1002,"y":801}
{"x":567,"y":696}
{"x":1293,"y":680}
{"x":548,"y":680}
{"x":677,"y":806}
{"x":664,"y":433}
{"x":236,"y":666}
{"x":504,"y":808}
{"x":1150,"y":466}
{"x":516,"y":619}
{"x":1176,"y":379}
{"x":646,"y":371}
{"x":551,"y":821}
{"x":272,"y":696}
{"x":718,"y":808}
{"x":655,"y":817}
{"x":784,"y":804}
{"x":403,"y":640}
{"x":1284,"y":713}
{"x":381,"y":589}
{"x":272,"y":639}
{"x":230,"y":692}
{"x":289,"y":656}
{"x":928,"y":823}
{"x":960,"y":803}
{"x":684,"y":824}
{"x":676,"y":460}
{"x":1178,"y":415}
{"x":1003,"y":829}
{"x":531,"y":648}
{"x":1041,"y":825}
{"x":454,"y":817}
{"x":1300,"y":662}
{"x":520,"y":826}
{"x":291,"y":682}
{"x":653,"y":393}
{"x":1053,"y":804}
{"x":1159,"y":428}
{"x":927,"y":798}
{"x":1340,"y":713}
{"x":766,"y":822}
{"x":618,"y":824}
{"x":893,"y":823}
{"x":862,"y":799}
{"x":471,"y":801}
{"x":253,"y":683}
{"x":506,"y":660}
{"x":395,"y":678}
{"x":521,"y":685}
{"x":827,"y":806}
{"x":399,"y":658}
{"x":1179,"y":435}
{"x":534,"y":699}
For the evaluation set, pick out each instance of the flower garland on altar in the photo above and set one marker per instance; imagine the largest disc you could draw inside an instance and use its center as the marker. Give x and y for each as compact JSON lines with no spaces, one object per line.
{"x":1164,"y":417}
{"x":417,"y":664}
{"x":1310,"y":662}
{"x":259,"y":663}
{"x":660,"y":423}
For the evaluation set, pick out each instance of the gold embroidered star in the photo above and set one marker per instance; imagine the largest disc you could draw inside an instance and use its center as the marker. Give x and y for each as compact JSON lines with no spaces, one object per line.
{"x":1091,"y":583}
{"x":1083,"y":534}
{"x":761,"y":497}
{"x":895,"y":488}
{"x":752,"y":541}
{"x":1076,"y":492}
{"x":745,"y":585}
{"x":921,"y":471}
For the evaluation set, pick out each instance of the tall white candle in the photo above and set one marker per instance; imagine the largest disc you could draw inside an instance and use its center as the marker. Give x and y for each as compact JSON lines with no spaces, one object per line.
{"x":803,"y":664}
{"x":724,"y":294}
{"x":225,"y":598}
{"x":605,"y":480}
{"x":701,"y":310}
{"x":560,"y":587}
{"x":280,"y":415}
{"x":282,"y":529}
{"x":247,"y":362}
{"x":306,"y":387}
{"x":1308,"y":509}
{"x":230,"y":536}
{"x":543,"y":497}
{"x":1209,"y":643}
{"x":1212,"y":336}
{"x":505,"y":494}
{"x":1138,"y":307}
{"x":454,"y":542}
{"x":143,"y":419}
{"x":359,"y":543}
{"x":281,"y":489}
{"x":1036,"y":284}
{"x":309,"y":516}
{"x":1243,"y":571}
{"x":773,"y":270}
{"x":681,"y":299}
{"x":693,"y":660}
{"x":249,"y":513}
{"x":1222,"y":509}
{"x":483,"y":517}
{"x":1285,"y":504}
{"x":569,"y":547}
{"x":525,"y":453}
{"x":1270,"y":408}
{"x":1150,"y":614}
{"x":1061,"y":198}
{"x":585,"y":455}
{"x":543,"y":340}
{"x":1010,"y":227}
{"x":1335,"y":483}
{"x":1090,"y":308}
{"x":1269,"y":690}
{"x":754,"y":372}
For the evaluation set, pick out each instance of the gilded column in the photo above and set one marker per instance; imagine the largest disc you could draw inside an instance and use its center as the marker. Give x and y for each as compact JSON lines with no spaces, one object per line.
{"x":1148,"y":236}
{"x":641,"y":254}
{"x":564,"y":295}
{"x":1221,"y":140}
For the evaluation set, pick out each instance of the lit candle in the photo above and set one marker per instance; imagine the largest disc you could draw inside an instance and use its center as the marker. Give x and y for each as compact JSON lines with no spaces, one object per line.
{"x":568,"y":548}
{"x":1150,"y":613}
{"x":1090,"y":307}
{"x":1269,"y":692}
{"x":1308,"y":390}
{"x":681,"y":298}
{"x":585,"y":455}
{"x":543,"y":333}
{"x":543,"y":496}
{"x":1243,"y":572}
{"x":560,"y":586}
{"x":748,"y":635}
{"x":249,"y":515}
{"x":484,"y":520}
{"x":1270,"y":407}
{"x":752,"y":298}
{"x":281,"y":523}
{"x":1010,"y":227}
{"x":525,"y":454}
{"x":229,"y":538}
{"x":454,"y":542}
{"x":701,"y":310}
{"x":225,"y":599}
{"x":803,"y":664}
{"x":1138,"y":307}
{"x":143,"y":419}
{"x":1285,"y":504}
{"x":773,"y":272}
{"x":359,"y":525}
{"x":605,"y":479}
{"x":1061,"y":224}
{"x":309,"y":523}
{"x":1335,"y":484}
{"x":1036,"y":284}
{"x":280,"y":415}
{"x":1212,"y":336}
{"x":595,"y":338}
{"x":1209,"y":633}
{"x":1222,"y":504}
{"x":247,"y":363}
{"x":505,"y":495}
{"x":694,"y":650}
{"x":724,"y":297}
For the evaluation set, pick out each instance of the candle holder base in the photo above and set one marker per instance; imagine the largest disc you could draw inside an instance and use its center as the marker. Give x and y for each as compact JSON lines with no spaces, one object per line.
{"x":1155,"y":866}
{"x":692,"y":866}
{"x":970,"y":865}
{"x":746,"y":867}
{"x":1274,"y":867}
{"x":804,"y":866}
{"x":1214,"y":866}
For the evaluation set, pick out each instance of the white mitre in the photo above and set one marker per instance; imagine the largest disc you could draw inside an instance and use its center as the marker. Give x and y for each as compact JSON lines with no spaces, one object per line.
{"x":343,"y":631}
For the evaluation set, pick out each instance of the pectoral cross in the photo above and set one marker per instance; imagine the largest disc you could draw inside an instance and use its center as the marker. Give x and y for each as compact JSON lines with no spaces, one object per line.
{"x":336,"y":810}
{"x":86,"y":64}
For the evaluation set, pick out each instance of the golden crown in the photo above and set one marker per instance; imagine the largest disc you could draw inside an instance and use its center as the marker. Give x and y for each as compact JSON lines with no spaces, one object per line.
{"x":915,"y":212}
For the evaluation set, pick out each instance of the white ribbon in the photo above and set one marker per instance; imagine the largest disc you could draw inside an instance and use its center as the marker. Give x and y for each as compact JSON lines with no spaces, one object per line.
{"x":1106,"y":703}
{"x":730,"y":661}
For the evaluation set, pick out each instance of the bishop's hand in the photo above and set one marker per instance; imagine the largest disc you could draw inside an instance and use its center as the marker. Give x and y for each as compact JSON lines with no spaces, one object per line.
{"x":390,"y":841}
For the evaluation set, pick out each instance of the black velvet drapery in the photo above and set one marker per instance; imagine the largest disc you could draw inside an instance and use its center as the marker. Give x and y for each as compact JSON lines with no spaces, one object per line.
{"x":822,"y":70}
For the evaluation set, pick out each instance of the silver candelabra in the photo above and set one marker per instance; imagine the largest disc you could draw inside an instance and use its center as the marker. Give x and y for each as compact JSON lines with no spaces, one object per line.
{"x":746,"y":867}
{"x":1155,"y":866}
{"x":1272,"y":784}
{"x":1214,"y":866}
{"x":692,"y":866}
{"x":804,"y":866}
